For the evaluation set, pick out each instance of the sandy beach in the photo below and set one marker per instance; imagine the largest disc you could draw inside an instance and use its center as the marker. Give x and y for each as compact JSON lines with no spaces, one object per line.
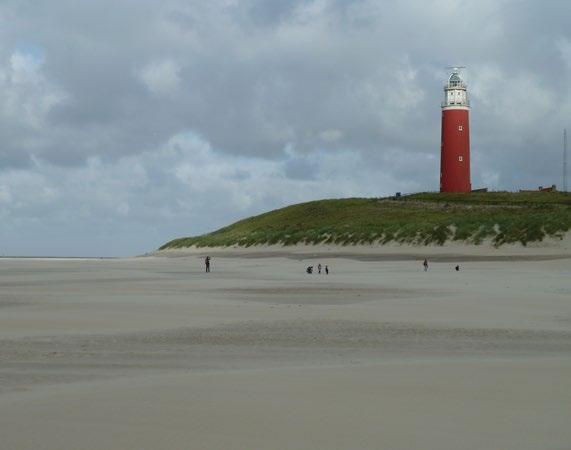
{"x":152,"y":353}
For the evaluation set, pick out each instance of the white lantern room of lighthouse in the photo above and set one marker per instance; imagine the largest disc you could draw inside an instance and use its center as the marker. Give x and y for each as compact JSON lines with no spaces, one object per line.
{"x":455,"y":93}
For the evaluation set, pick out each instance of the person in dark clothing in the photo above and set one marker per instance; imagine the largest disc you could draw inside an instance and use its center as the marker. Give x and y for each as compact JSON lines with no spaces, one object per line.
{"x":425,"y":264}
{"x":457,"y":268}
{"x":309,"y":269}
{"x":326,"y":270}
{"x":319,"y":268}
{"x":207,"y":263}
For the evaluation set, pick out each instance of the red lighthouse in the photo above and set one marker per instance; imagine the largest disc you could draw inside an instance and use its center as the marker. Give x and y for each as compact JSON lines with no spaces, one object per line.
{"x":455,"y":146}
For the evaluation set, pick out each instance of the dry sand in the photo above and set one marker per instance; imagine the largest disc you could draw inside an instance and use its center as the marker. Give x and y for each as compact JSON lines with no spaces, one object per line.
{"x":151,"y":353}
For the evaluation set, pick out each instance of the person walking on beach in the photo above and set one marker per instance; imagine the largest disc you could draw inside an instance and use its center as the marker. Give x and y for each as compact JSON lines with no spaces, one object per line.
{"x":207,"y":263}
{"x":326,"y":270}
{"x":319,"y":268}
{"x":425,"y":264}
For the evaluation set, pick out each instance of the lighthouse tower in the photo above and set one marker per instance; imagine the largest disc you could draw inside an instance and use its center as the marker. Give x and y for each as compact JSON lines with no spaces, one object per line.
{"x":455,"y":146}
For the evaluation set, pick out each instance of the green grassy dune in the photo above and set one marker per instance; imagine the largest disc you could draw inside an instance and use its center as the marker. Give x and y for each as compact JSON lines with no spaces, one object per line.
{"x":421,"y":219}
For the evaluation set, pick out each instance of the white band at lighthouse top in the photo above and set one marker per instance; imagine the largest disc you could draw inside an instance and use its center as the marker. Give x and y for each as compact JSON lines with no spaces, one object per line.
{"x":445,"y":107}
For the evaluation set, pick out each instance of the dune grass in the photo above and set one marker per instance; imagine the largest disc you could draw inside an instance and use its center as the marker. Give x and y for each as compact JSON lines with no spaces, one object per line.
{"x":421,"y":219}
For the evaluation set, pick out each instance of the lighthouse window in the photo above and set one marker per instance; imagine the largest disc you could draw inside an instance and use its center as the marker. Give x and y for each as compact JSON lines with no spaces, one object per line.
{"x":460,"y":128}
{"x":460,"y":158}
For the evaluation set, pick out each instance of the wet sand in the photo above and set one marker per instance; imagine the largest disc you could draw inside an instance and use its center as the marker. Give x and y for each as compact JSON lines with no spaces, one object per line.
{"x":150,"y":353}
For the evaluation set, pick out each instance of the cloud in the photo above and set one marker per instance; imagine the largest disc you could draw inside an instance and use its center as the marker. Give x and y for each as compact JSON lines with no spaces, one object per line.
{"x":161,"y":77}
{"x":26,"y":98}
{"x":331,"y":135}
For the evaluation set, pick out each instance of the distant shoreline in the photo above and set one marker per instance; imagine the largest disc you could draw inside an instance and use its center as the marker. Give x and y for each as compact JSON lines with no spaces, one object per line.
{"x":63,"y":257}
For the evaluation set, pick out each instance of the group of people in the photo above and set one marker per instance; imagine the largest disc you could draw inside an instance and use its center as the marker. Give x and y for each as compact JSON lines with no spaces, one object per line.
{"x":310,"y":269}
{"x":425,"y":265}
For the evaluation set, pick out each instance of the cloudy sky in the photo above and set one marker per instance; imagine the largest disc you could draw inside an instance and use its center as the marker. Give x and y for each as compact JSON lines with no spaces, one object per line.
{"x":126,"y":123}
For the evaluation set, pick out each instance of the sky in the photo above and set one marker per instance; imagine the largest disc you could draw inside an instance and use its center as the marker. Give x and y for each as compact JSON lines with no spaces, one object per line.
{"x":127,"y":123}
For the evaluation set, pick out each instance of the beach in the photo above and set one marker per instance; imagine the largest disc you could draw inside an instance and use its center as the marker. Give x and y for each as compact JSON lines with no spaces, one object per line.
{"x":151,"y":352}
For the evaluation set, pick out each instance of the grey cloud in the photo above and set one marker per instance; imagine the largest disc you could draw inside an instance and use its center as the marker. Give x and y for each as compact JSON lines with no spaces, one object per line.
{"x":271,"y":13}
{"x":300,"y":169}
